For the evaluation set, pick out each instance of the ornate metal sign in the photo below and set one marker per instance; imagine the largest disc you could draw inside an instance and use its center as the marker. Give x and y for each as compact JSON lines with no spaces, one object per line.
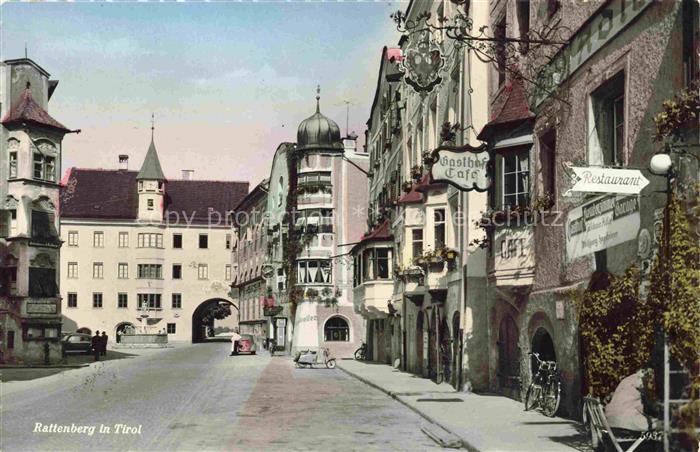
{"x":421,"y":64}
{"x":465,"y":167}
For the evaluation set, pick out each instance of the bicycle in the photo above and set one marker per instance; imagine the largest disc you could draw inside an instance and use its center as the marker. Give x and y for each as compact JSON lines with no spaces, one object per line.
{"x":446,"y":365}
{"x":545,"y":389}
{"x":361,"y":353}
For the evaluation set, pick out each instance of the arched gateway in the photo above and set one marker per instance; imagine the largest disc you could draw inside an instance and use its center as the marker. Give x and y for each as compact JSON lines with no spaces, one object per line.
{"x":201,"y":324}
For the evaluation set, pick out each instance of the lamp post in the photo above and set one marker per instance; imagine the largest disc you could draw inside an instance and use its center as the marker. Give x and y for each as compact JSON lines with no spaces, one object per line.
{"x":662,"y":165}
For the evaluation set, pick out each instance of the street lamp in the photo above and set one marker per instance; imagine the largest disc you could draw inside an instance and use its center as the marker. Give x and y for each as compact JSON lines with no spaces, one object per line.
{"x":662,"y":165}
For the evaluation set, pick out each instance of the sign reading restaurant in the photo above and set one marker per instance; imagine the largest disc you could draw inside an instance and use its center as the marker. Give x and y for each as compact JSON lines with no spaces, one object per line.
{"x":601,"y":223}
{"x":608,"y":180}
{"x":465,"y":167}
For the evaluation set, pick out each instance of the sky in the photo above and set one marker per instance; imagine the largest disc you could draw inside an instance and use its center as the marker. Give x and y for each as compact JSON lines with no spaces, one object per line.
{"x":227,"y":82}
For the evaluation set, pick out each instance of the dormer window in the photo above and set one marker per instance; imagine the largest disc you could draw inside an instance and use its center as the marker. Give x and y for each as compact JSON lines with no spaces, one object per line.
{"x":150,"y":204}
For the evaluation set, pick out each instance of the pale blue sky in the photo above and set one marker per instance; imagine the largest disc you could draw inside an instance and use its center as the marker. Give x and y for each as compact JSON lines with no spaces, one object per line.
{"x":227,"y":81}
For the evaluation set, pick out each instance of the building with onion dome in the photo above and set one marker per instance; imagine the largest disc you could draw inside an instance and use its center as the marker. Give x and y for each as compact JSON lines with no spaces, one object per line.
{"x":316,"y":209}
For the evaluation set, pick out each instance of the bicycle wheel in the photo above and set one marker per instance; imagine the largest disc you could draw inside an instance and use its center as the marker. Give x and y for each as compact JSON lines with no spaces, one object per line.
{"x":359,"y":354}
{"x":532,"y":396}
{"x":552,"y":396}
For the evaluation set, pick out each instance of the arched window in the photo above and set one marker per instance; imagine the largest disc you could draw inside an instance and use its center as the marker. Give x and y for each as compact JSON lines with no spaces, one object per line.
{"x":336,"y":330}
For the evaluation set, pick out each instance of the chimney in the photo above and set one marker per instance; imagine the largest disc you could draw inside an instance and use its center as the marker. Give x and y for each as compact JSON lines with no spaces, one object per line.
{"x":123,"y":162}
{"x":187,"y":174}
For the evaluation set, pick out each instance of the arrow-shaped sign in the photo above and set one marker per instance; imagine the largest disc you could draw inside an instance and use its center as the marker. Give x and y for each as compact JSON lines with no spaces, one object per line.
{"x":608,"y":180}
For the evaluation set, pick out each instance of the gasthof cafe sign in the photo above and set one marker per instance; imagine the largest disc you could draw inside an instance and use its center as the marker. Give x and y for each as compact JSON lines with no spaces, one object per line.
{"x":466,"y":167}
{"x":601,"y":223}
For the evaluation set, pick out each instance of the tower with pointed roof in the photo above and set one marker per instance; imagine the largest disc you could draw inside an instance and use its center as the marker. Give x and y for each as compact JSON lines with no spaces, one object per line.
{"x":151,"y":186}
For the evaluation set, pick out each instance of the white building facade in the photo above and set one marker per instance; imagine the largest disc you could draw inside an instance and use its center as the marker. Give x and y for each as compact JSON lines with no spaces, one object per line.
{"x":144,"y":254}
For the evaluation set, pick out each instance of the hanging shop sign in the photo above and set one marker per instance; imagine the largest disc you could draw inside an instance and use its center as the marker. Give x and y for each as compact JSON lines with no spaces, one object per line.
{"x":600,"y":29}
{"x":422,"y":63}
{"x":465,"y":167}
{"x":608,"y":180}
{"x":601,"y":223}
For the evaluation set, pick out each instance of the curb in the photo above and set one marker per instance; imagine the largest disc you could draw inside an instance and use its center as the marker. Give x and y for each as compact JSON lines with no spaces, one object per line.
{"x":465,"y":444}
{"x":58,"y":366}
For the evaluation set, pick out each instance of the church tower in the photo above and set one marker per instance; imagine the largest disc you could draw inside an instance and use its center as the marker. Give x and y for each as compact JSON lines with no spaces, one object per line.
{"x":151,"y":186}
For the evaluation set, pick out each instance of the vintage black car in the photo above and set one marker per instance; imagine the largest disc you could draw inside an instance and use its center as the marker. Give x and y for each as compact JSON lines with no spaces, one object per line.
{"x":76,"y":343}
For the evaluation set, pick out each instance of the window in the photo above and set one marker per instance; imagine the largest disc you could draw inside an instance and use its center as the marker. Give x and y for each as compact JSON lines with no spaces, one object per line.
{"x":123,"y":240}
{"x":96,"y":300}
{"x":552,"y":7}
{"x":227,"y":273}
{"x":123,"y":270}
{"x":500,"y":33}
{"x":10,"y":339}
{"x":336,"y":330}
{"x":383,"y":256}
{"x":150,"y":271}
{"x":43,"y":228}
{"x":13,"y":165}
{"x":177,"y":241}
{"x":690,"y":41}
{"x":44,"y":167}
{"x":515,"y":178}
{"x":150,"y":204}
{"x":228,"y":241}
{"x":150,"y":240}
{"x":72,"y":238}
{"x":98,"y":239}
{"x":122,"y":300}
{"x":38,"y":165}
{"x":416,"y":242}
{"x":548,"y":143}
{"x":149,"y":301}
{"x":368,"y":264}
{"x":42,"y":282}
{"x":203,"y":241}
{"x":439,"y":227}
{"x":523,"y":12}
{"x":72,"y":270}
{"x":606,"y":119}
{"x":177,"y":301}
{"x":314,"y":271}
{"x":203,"y":271}
{"x":97,"y":270}
{"x":8,"y":223}
{"x":171,"y":328}
{"x":177,"y":271}
{"x":72,"y":300}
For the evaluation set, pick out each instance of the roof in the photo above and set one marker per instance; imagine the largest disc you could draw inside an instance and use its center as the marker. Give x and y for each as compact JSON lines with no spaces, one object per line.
{"x":380,"y":233}
{"x":515,"y":110}
{"x":27,"y":110}
{"x":112,"y":194}
{"x":416,"y":193}
{"x":151,"y":165}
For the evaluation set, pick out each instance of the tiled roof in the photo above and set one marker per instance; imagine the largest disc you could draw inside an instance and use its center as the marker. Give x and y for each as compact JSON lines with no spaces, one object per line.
{"x":415,"y":195}
{"x":27,"y":110}
{"x":514,"y":110}
{"x":112,"y":194}
{"x":381,"y":232}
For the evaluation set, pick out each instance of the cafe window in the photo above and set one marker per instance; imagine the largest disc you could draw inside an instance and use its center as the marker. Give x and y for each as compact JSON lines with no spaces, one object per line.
{"x":336,"y":330}
{"x":43,"y":228}
{"x":42,"y":282}
{"x":416,"y":242}
{"x":439,"y":227}
{"x":606,"y":122}
{"x":515,"y":178}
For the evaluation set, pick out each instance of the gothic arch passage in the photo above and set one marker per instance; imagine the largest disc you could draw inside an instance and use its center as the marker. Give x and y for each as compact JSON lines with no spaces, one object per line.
{"x":543,"y":344}
{"x":508,"y":354}
{"x":202,"y":323}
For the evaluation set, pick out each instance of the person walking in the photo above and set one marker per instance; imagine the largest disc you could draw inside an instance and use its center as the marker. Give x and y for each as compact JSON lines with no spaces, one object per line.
{"x":103,"y":343}
{"x":235,"y":337}
{"x":96,"y":344}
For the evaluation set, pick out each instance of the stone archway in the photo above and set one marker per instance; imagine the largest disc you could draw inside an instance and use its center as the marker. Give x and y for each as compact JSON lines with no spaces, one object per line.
{"x":122,"y":328}
{"x":543,"y":345}
{"x":200,"y":328}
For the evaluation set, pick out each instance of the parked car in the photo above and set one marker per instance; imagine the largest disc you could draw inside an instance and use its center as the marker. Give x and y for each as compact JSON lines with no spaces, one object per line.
{"x":76,"y":343}
{"x":246,"y":344}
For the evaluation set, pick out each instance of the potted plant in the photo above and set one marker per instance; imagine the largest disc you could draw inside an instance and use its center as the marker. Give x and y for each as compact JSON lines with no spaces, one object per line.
{"x":448,"y":132}
{"x":417,"y":173}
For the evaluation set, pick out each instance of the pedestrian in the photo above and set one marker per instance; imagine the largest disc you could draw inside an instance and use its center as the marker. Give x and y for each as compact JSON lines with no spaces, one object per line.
{"x":235,"y":337}
{"x":103,"y":343}
{"x":96,"y":345}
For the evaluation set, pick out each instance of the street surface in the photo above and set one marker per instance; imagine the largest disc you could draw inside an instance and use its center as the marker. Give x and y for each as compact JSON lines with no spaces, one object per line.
{"x":196,"y":397}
